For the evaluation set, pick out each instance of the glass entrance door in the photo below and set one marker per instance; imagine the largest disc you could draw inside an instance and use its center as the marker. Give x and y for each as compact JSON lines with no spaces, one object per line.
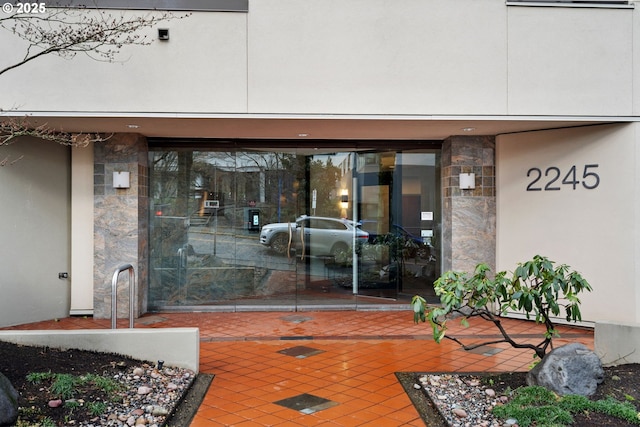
{"x":399,"y":206}
{"x":288,"y":229}
{"x":332,"y":237}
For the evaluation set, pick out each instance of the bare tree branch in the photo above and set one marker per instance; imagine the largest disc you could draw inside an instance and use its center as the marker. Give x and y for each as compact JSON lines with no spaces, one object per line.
{"x":12,"y":128}
{"x":66,"y":32}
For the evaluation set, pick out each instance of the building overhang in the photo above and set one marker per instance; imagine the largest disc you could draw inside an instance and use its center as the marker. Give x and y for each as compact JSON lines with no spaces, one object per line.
{"x":303,"y":126}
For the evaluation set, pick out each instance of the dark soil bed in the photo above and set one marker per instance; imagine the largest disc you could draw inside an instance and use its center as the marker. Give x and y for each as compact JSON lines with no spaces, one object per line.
{"x":16,"y":362}
{"x":621,"y":382}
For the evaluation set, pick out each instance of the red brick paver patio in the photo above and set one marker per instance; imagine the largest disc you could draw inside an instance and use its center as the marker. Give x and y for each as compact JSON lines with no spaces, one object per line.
{"x":344,"y":361}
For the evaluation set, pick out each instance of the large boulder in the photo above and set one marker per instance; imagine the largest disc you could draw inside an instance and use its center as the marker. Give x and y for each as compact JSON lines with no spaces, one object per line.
{"x":570,"y":369}
{"x":8,"y":402}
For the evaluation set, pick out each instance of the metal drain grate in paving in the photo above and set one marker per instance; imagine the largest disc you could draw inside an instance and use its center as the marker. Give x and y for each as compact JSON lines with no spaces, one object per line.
{"x":486,"y":350}
{"x":300,"y":351}
{"x":296,"y":318}
{"x":306,"y":403}
{"x":150,"y":320}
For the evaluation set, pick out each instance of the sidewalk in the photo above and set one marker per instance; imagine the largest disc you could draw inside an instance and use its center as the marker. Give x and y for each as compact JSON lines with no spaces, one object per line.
{"x":326,"y":368}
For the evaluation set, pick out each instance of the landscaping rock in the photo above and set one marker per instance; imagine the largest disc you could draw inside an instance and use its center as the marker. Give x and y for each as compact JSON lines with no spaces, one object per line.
{"x":8,"y":402}
{"x":570,"y":369}
{"x":460,"y":413}
{"x":55,"y":403}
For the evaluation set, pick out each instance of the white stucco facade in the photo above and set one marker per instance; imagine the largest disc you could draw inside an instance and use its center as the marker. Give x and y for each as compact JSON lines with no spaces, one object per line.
{"x":432,"y":58}
{"x":594,"y":230}
{"x":553,"y":86}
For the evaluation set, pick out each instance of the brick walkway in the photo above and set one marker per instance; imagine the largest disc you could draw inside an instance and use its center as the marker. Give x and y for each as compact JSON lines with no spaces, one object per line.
{"x":326,"y":368}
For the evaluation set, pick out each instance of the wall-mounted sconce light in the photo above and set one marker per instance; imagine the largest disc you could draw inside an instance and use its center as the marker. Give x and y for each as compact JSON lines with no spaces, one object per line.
{"x":467,"y":181}
{"x":344,"y":198}
{"x":121,"y":180}
{"x":163,"y":34}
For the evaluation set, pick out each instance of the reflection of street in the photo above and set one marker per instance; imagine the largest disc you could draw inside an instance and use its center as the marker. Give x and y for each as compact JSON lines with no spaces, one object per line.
{"x":276,"y":275}
{"x":245,"y":250}
{"x":241,"y":248}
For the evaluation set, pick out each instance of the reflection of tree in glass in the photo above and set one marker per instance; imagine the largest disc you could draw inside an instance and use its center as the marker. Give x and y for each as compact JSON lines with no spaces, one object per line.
{"x":278,"y":183}
{"x":267,"y":180}
{"x":163,"y":188}
{"x":325,"y":179}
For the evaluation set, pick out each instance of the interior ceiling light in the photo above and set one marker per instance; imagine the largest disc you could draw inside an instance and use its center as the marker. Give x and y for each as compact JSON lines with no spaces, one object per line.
{"x":303,"y":135}
{"x":133,"y":126}
{"x":469,"y":129}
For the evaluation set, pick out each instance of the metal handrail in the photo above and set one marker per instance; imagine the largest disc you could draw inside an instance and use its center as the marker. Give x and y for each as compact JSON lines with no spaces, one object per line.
{"x":114,"y":293}
{"x":182,"y":263}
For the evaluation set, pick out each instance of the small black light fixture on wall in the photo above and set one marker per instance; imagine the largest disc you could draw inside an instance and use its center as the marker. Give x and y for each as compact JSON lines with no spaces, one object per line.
{"x":163,"y":34}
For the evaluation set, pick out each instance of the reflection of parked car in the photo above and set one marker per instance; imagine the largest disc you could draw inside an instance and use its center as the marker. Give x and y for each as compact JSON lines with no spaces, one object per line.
{"x":322,"y":236}
{"x":415,"y":245}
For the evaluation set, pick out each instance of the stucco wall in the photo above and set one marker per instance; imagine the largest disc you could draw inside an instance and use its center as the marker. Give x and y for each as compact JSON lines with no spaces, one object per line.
{"x":82,"y":230}
{"x":570,"y":61}
{"x":34,"y":232}
{"x":593,"y":230}
{"x":352,"y":57}
{"x":417,"y":57}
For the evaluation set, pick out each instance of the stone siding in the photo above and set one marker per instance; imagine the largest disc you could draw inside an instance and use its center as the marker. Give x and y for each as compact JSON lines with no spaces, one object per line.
{"x":468,"y":216}
{"x":120,"y":222}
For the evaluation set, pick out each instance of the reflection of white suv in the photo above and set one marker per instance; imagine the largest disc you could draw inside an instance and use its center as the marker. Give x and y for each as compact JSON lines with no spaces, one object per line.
{"x":322,"y":236}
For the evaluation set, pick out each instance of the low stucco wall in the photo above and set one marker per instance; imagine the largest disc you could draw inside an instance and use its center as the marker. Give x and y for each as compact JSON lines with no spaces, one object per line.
{"x":178,"y":347}
{"x":617,"y":343}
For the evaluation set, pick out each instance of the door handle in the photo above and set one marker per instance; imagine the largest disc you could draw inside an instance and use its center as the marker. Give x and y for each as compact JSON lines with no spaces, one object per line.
{"x":289,"y":243}
{"x":304,"y":247}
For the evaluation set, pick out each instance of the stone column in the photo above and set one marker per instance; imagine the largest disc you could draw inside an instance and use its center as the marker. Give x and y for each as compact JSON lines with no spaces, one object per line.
{"x":120,"y":222}
{"x":468,"y":216}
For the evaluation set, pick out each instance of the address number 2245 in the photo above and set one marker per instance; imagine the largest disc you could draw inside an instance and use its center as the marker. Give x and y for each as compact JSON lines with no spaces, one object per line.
{"x":552,"y":178}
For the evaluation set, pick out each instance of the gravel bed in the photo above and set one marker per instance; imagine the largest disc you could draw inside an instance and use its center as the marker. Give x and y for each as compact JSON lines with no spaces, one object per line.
{"x":152,"y":393}
{"x":463,"y":400}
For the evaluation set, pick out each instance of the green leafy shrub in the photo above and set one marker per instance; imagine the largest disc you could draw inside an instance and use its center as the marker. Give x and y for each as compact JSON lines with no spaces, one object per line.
{"x":538,"y":406}
{"x":38,"y":377}
{"x":72,"y":404}
{"x":537,"y":287}
{"x":47,"y":422}
{"x":97,"y":408}
{"x":105,"y":384}
{"x":64,"y":385}
{"x":534,"y":405}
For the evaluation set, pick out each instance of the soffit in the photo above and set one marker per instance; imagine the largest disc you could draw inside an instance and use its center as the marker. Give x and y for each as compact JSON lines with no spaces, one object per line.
{"x":308,"y":127}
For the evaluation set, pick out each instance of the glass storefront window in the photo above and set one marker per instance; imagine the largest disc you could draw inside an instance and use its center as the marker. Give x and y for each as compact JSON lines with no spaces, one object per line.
{"x":291,"y":228}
